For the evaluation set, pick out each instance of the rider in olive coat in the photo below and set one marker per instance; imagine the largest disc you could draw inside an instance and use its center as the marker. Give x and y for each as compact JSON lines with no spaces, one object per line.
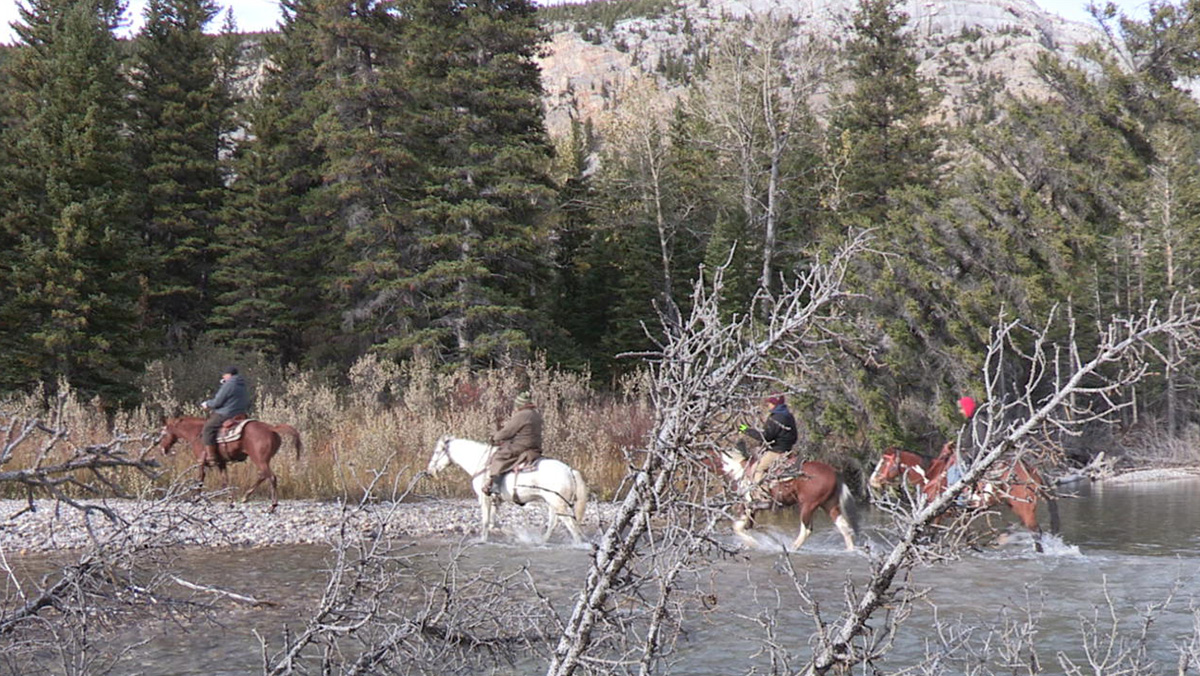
{"x":520,"y":441}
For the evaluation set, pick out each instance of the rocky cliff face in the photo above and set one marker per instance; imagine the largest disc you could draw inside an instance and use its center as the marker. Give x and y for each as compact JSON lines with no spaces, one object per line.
{"x":588,"y":66}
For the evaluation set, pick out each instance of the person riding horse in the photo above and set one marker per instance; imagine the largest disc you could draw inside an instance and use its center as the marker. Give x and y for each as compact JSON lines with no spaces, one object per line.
{"x":232,"y":399}
{"x":519,"y":441}
{"x":780,"y":434}
{"x":971,"y":438}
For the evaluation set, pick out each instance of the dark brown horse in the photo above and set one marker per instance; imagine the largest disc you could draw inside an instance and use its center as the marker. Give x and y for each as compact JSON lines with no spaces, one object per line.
{"x":1015,"y":485}
{"x":820,"y":486}
{"x":259,"y":442}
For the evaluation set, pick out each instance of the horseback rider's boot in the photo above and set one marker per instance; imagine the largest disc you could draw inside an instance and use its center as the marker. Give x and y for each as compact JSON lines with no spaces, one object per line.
{"x":210,"y":454}
{"x":494,"y":484}
{"x":758,"y":497}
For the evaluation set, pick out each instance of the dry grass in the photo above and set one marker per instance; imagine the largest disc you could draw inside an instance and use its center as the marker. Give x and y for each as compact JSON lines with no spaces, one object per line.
{"x":382,"y":428}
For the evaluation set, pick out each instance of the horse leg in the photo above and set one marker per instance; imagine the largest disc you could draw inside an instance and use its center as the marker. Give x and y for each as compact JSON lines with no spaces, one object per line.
{"x":573,"y":528}
{"x":201,"y":469}
{"x":806,"y":515}
{"x":742,"y":523}
{"x":1026,"y":511}
{"x":485,"y":512}
{"x":551,"y":519}
{"x":843,"y":525}
{"x":223,"y":470}
{"x":805,"y":531}
{"x":274,"y":493}
{"x":264,"y":474}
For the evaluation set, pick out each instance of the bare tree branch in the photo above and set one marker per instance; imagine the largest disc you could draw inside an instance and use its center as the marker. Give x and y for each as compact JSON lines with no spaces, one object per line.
{"x":697,"y":373}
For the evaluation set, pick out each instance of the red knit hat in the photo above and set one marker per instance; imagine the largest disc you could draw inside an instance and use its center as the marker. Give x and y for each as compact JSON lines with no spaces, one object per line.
{"x":967,"y":406}
{"x":775,"y":399}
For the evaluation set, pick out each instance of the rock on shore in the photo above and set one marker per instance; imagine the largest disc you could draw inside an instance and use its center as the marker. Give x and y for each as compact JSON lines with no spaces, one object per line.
{"x":54,"y":526}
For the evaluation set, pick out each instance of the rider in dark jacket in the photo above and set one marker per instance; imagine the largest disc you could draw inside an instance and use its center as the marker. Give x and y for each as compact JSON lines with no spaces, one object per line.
{"x":232,"y":398}
{"x":779,"y":433}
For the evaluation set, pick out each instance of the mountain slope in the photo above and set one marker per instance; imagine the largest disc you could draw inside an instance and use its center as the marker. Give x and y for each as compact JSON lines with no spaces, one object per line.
{"x":598,"y":50}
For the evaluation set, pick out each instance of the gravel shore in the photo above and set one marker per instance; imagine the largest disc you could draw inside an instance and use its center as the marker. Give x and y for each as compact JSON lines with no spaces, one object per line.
{"x":55,"y":526}
{"x":1155,"y":475}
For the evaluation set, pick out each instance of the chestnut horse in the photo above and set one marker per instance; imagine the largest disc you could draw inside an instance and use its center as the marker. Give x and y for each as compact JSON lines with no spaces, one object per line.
{"x":1013,"y":484}
{"x":259,"y":442}
{"x":820,"y":485}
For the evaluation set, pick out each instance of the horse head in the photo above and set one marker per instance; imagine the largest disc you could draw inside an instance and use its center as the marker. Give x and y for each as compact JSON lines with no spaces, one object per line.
{"x":731,"y":463}
{"x":441,"y":455}
{"x":169,"y":435}
{"x":888,"y":469}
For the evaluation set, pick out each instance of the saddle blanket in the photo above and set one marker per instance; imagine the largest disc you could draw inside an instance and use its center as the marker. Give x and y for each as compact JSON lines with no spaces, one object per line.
{"x":231,"y":430}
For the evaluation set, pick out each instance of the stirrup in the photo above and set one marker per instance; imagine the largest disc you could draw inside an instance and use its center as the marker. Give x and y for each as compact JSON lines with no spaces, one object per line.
{"x":493,"y":485}
{"x":758,"y":497}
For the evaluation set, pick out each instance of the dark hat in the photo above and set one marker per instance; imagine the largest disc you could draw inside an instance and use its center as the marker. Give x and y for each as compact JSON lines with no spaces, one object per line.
{"x":775,"y":399}
{"x":232,"y":370}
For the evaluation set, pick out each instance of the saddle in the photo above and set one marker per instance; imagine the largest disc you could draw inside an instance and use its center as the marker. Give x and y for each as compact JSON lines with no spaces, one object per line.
{"x":525,"y":465}
{"x":787,"y":467}
{"x":231,"y":430}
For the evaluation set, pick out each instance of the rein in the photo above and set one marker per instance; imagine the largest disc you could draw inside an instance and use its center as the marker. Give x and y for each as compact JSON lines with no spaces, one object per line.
{"x":487,"y":458}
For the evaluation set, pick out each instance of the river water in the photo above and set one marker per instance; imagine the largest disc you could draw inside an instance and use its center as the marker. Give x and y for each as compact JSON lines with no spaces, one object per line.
{"x":1122,"y":547}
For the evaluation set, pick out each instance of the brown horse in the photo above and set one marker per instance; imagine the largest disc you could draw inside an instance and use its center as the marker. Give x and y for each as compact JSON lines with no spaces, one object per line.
{"x":820,"y":485}
{"x":1015,"y":485}
{"x":259,"y":442}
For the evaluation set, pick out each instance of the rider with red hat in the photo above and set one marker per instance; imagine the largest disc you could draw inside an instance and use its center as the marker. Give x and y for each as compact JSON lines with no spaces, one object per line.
{"x":968,"y":439}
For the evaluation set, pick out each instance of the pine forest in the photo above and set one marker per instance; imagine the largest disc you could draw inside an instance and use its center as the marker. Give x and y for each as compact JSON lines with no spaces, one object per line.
{"x":388,"y":189}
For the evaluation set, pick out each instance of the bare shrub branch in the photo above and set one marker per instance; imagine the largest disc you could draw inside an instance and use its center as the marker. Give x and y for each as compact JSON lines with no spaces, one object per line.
{"x":697,"y":373}
{"x":1057,"y":394}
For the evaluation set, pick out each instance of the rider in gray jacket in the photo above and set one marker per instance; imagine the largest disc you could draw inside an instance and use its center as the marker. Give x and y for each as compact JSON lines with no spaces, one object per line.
{"x":231,"y":399}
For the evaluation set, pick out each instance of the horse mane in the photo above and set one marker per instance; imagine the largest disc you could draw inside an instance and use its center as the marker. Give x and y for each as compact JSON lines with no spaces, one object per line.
{"x":926,"y":460}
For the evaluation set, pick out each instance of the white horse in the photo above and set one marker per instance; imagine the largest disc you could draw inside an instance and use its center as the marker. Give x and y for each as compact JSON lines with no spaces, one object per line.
{"x":552,"y":481}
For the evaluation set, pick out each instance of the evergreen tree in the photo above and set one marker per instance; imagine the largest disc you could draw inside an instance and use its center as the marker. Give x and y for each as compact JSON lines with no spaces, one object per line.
{"x":370,"y":174}
{"x":579,"y":304}
{"x":273,"y":244}
{"x":883,"y":121}
{"x":478,"y":273}
{"x":652,"y":213}
{"x":1132,"y":91}
{"x":882,"y":150}
{"x":182,"y":115}
{"x":70,"y":283}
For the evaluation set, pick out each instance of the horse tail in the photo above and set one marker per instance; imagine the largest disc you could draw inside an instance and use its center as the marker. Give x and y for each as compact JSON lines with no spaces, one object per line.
{"x":1052,"y":506}
{"x":284,"y":429}
{"x":848,"y":505}
{"x":581,"y":495}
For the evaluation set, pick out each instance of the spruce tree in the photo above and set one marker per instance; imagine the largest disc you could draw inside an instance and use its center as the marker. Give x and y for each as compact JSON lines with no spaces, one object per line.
{"x":273,"y":244}
{"x":369,"y":172}
{"x":182,"y":116}
{"x":71,"y":280}
{"x":477,"y":275}
{"x":883,"y":120}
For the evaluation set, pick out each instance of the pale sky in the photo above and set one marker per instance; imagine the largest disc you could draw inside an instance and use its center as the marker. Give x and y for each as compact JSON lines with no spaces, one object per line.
{"x":251,"y":15}
{"x":260,"y":15}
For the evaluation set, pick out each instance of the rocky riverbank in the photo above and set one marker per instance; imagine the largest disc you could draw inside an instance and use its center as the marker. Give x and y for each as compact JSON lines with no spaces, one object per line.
{"x":53,"y":526}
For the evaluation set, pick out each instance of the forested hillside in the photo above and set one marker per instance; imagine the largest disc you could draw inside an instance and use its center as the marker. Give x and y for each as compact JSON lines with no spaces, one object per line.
{"x":390,"y":186}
